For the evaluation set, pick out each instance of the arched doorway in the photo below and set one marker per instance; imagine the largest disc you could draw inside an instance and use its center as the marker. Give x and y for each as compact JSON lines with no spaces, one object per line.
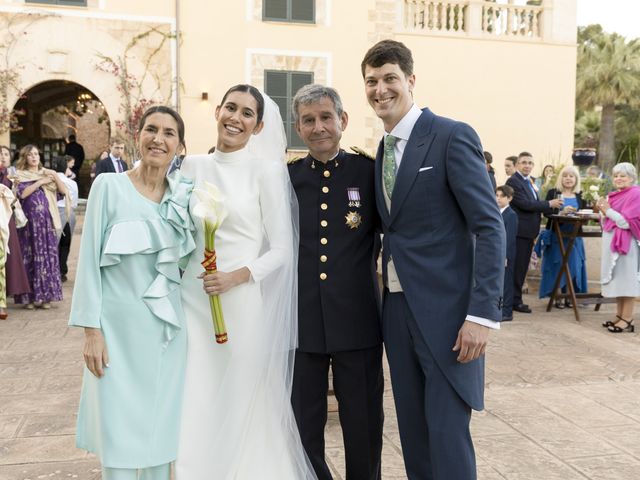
{"x":49,"y":112}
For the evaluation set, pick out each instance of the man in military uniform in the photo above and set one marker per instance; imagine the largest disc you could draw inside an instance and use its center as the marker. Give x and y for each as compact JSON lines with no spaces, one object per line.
{"x":338,"y":298}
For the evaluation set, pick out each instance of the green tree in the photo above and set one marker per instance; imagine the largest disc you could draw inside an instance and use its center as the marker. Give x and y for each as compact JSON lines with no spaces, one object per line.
{"x":608,"y":77}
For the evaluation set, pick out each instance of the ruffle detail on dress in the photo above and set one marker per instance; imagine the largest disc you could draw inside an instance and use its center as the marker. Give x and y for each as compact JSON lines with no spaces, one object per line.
{"x":170,"y":237}
{"x":606,"y":278}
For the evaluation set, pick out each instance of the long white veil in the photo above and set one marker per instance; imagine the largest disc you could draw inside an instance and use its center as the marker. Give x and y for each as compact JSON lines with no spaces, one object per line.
{"x":280,"y":297}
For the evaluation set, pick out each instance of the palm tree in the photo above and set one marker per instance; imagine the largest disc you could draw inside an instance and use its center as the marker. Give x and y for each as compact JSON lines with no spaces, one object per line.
{"x":608,"y":75}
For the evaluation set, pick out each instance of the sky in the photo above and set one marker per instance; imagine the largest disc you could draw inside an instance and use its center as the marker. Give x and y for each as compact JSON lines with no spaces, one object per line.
{"x":620,"y":16}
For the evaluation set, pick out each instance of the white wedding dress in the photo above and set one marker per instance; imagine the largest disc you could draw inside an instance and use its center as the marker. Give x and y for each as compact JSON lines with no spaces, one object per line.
{"x":237,"y":421}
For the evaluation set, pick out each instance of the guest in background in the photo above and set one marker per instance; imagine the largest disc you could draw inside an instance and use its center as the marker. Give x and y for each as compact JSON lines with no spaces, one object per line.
{"x":528,"y":207}
{"x":6,"y":199}
{"x":621,"y":246}
{"x":75,"y":150}
{"x":568,"y":189}
{"x":546,"y":176}
{"x":488,"y":160}
{"x":504,"y":195}
{"x":37,"y":190}
{"x":546,"y":181}
{"x":594,"y":171}
{"x":17,"y":282}
{"x":68,"y":171}
{"x":68,"y":222}
{"x":113,"y":162}
{"x":510,"y":165}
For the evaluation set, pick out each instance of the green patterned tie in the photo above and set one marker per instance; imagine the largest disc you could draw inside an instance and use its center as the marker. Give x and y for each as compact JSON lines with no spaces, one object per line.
{"x":389,"y":164}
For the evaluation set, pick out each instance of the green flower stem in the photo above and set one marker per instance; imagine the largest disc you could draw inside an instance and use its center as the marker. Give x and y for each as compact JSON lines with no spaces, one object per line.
{"x":214,"y":300}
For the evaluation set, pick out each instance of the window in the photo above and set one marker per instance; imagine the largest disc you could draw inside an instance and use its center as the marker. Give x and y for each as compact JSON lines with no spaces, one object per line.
{"x":299,"y":11}
{"x":281,"y":86}
{"x":74,"y":3}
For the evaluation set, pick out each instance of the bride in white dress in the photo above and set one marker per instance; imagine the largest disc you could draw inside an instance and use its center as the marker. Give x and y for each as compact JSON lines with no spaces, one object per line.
{"x":237,"y":421}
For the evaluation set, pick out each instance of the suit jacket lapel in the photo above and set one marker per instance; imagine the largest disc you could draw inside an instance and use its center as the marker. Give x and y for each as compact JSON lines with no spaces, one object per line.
{"x":380,"y":202}
{"x":412,"y":158}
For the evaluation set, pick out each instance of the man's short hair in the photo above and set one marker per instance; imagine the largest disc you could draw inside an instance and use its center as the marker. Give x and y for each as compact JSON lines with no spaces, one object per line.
{"x":506,"y":190}
{"x":488,"y":157}
{"x":314,"y":93}
{"x":524,"y":154}
{"x":512,"y":158}
{"x":72,"y":138}
{"x":388,"y":51}
{"x":115,"y":140}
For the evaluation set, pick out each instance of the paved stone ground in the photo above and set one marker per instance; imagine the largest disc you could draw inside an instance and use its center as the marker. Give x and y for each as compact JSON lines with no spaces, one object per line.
{"x":563,"y":400}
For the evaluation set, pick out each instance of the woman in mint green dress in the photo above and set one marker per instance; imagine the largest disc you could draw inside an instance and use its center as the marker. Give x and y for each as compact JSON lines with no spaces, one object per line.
{"x":136,"y":231}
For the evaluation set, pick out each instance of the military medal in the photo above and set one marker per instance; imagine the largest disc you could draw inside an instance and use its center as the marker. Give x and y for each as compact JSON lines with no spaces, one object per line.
{"x":353,"y":194}
{"x":354,"y":219}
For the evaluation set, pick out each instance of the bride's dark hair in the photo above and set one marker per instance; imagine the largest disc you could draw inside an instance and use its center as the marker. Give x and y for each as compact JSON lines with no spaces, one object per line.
{"x":253,"y":91}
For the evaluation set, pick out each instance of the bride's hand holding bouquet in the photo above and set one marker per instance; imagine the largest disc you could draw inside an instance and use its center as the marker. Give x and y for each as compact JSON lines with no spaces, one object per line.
{"x":211,"y":210}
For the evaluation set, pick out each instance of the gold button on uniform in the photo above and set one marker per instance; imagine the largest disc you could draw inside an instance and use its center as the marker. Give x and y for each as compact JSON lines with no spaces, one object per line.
{"x":323,"y":258}
{"x":323,"y":206}
{"x":324,"y":223}
{"x":323,"y":276}
{"x":327,"y":173}
{"x":325,"y":189}
{"x":324,"y":241}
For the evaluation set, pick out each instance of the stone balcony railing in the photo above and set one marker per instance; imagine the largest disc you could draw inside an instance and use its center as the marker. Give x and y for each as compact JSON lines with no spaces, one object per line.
{"x":475,"y":18}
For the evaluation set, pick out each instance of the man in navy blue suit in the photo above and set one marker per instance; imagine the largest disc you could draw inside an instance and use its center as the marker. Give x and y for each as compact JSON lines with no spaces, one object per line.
{"x":528,"y":206}
{"x":113,"y":163}
{"x":504,"y":195}
{"x":443,"y":267}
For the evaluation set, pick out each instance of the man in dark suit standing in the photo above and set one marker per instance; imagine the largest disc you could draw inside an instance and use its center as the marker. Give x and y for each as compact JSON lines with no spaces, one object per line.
{"x":76,"y":150}
{"x":528,"y":207}
{"x":443,"y":266}
{"x":338,"y":317}
{"x":504,"y":195}
{"x":113,"y":163}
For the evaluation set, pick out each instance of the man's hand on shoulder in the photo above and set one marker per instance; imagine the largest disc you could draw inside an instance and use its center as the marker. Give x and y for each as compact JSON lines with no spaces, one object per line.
{"x":471,"y":342}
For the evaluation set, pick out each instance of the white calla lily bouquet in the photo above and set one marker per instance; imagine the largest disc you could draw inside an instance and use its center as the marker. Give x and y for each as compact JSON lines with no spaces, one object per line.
{"x":211,"y":210}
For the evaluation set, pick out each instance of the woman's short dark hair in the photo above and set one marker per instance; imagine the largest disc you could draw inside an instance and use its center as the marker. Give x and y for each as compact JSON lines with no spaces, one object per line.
{"x":169,"y":111}
{"x":21,"y":164}
{"x":253,"y":91}
{"x":389,"y":51}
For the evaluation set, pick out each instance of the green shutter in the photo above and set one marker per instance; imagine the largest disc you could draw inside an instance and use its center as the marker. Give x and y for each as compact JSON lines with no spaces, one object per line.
{"x":303,"y":10}
{"x":274,"y":9}
{"x":281,"y":86}
{"x":289,"y":10}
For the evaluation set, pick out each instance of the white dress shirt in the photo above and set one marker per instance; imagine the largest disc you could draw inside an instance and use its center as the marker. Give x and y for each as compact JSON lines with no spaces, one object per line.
{"x":402,"y":131}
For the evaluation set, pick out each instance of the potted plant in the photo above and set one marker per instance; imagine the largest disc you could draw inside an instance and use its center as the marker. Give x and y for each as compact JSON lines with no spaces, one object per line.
{"x":583,"y":157}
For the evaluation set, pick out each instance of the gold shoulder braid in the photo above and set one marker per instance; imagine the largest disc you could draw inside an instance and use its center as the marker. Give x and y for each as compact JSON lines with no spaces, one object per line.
{"x":294,"y":160}
{"x":363,"y":152}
